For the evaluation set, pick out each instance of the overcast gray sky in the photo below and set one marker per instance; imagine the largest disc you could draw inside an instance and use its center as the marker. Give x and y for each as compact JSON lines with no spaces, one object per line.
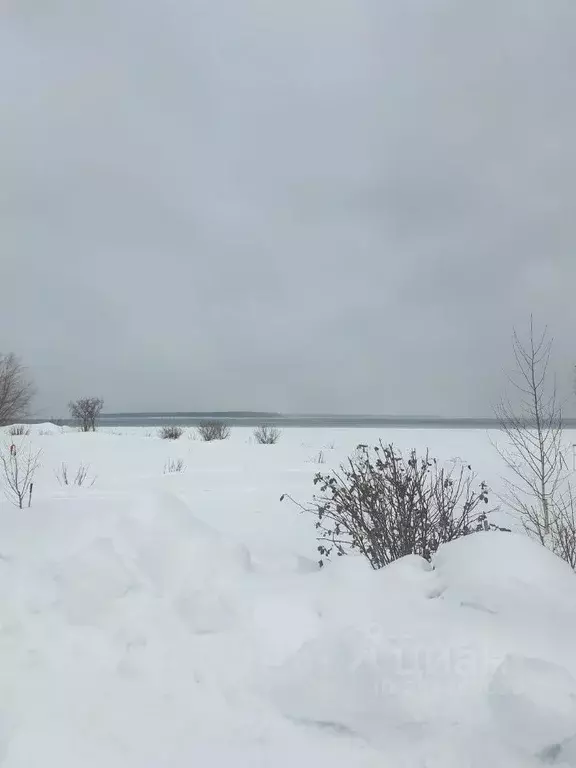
{"x":296,"y":205}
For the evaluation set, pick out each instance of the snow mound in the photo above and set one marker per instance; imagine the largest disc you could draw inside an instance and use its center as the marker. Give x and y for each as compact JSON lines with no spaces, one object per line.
{"x":354,"y":675}
{"x":84,"y":557}
{"x":351,"y":591}
{"x":195,"y":567}
{"x":410,"y":652}
{"x":340,"y":681}
{"x":92,"y":582}
{"x":499,"y":572}
{"x":533,"y":703}
{"x":46,"y":428}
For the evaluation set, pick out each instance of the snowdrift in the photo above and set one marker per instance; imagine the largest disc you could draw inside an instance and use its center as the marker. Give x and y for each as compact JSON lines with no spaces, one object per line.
{"x":134,"y":634}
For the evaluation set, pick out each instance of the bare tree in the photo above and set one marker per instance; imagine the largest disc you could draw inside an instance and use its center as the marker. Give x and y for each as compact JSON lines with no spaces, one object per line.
{"x":16,"y":390}
{"x":19,"y":464}
{"x":86,"y":412}
{"x":266,"y":435}
{"x":534,"y":455}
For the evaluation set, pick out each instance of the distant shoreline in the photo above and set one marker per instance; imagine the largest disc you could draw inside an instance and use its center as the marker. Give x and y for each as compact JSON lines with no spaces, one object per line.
{"x":256,"y":418}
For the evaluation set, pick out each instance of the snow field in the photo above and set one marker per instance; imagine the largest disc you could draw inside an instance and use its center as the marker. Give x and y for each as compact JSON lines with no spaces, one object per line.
{"x":179,"y":619}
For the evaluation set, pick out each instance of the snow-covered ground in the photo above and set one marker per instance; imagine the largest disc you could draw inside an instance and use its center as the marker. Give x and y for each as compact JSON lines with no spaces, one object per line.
{"x":158,"y":620}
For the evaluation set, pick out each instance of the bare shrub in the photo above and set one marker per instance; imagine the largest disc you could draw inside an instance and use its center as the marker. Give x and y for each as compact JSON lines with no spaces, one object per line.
{"x":385,"y":506}
{"x":562,"y":535}
{"x":318,"y":458}
{"x":86,"y":412}
{"x":170,"y":432}
{"x":174,"y":465}
{"x":19,"y":464}
{"x":538,"y":488}
{"x":213,"y":430}
{"x":16,"y":390}
{"x":266,"y":435}
{"x":19,"y":430}
{"x":80,"y":477}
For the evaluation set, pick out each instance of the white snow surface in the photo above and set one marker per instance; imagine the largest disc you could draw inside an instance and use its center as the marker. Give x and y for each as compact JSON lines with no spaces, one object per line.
{"x":154,"y":620}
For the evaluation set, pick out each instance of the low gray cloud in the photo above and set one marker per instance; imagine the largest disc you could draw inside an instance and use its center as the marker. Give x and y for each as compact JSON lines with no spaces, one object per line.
{"x":303,"y":206}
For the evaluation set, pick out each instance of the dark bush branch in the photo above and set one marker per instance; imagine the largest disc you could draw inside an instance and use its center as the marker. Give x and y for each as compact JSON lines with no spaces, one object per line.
{"x":266,"y":435}
{"x":19,"y":430}
{"x":170,"y":432}
{"x":385,"y":505}
{"x":213,"y":430}
{"x":80,"y":478}
{"x":173,"y":466}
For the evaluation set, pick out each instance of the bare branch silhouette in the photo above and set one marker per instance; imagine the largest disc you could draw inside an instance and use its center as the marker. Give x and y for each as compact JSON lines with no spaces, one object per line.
{"x":19,"y":464}
{"x":86,"y":412}
{"x":538,"y":488}
{"x":16,"y":390}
